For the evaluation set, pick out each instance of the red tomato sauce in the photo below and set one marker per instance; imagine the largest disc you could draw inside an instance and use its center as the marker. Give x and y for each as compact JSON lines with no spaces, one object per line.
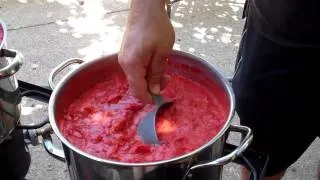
{"x":103,"y":120}
{"x":1,"y":34}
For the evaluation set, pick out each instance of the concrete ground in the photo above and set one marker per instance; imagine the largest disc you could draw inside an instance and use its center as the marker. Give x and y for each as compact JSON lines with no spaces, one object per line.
{"x":48,"y":32}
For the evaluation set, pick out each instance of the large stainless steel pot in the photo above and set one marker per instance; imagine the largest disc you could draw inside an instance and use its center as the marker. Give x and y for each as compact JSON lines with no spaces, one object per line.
{"x":202,"y":163}
{"x":10,"y":63}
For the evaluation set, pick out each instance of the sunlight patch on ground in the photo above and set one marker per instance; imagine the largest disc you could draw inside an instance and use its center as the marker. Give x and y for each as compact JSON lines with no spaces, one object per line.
{"x":176,"y":24}
{"x":63,"y":2}
{"x":23,"y":1}
{"x":27,"y":110}
{"x":91,"y":20}
{"x":124,"y":1}
{"x":176,"y":46}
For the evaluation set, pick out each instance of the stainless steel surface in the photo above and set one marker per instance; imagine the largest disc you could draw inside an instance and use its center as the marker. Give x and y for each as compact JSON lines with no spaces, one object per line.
{"x":245,"y":142}
{"x":10,"y":63}
{"x":3,"y":41}
{"x":82,"y":168}
{"x":247,"y":139}
{"x":47,"y":141}
{"x":60,"y":68}
{"x":82,"y":165}
{"x":147,"y":126}
{"x":51,"y":148}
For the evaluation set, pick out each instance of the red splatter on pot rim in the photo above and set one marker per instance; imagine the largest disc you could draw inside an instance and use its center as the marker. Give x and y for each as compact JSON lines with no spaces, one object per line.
{"x":3,"y":33}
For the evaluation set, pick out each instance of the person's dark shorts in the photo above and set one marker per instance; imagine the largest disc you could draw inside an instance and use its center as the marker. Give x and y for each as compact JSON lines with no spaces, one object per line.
{"x":277,"y":95}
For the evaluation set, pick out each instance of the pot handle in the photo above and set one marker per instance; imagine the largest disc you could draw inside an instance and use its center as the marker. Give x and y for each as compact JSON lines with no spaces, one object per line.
{"x":13,"y":66}
{"x":230,"y":79}
{"x":245,"y":142}
{"x":61,"y":67}
{"x":51,"y":148}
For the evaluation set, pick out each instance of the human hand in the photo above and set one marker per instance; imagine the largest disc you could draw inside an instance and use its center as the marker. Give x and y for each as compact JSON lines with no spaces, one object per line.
{"x":146,"y":46}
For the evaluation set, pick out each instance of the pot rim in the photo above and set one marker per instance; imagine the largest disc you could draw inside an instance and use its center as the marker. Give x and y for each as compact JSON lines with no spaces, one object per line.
{"x":66,"y":78}
{"x":4,"y":28}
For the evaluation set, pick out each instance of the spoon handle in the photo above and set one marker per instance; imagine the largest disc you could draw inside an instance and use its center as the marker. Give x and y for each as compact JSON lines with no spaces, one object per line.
{"x":158,"y":99}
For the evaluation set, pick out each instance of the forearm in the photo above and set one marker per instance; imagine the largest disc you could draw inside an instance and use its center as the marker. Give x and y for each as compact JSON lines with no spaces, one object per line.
{"x":147,"y":42}
{"x":145,"y":11}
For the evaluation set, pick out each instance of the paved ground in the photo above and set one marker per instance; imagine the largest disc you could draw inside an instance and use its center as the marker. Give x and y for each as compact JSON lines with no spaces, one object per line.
{"x":48,"y":32}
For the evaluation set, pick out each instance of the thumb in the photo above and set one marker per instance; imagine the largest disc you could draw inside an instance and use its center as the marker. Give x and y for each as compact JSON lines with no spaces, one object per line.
{"x":155,"y":73}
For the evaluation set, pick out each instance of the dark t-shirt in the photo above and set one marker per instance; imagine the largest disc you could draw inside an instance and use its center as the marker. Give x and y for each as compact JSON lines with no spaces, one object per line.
{"x":294,"y":22}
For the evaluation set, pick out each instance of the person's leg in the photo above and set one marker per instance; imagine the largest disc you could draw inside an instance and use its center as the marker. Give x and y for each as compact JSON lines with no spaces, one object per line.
{"x":272,"y":90}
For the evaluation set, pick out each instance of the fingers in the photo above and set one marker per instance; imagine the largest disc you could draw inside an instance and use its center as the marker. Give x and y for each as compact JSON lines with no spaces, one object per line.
{"x":144,"y":78}
{"x":138,"y":85}
{"x":155,"y":73}
{"x":135,"y":70}
{"x":165,"y":80}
